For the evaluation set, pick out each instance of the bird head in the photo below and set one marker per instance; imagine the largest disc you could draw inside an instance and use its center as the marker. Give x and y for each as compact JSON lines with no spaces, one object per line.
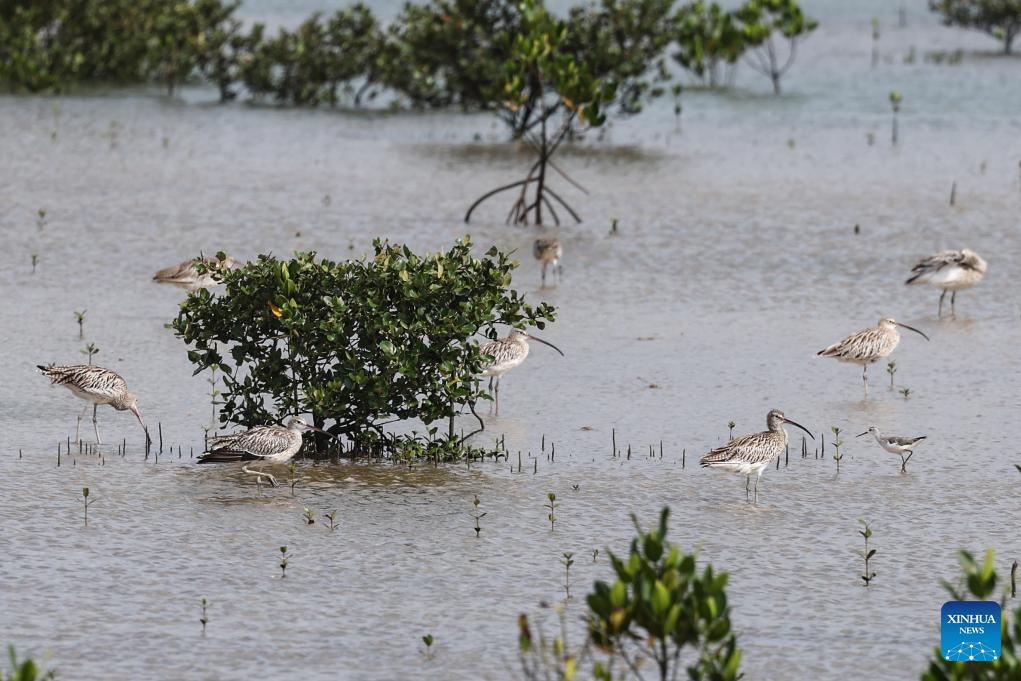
{"x":871,"y":431}
{"x":891,"y":323}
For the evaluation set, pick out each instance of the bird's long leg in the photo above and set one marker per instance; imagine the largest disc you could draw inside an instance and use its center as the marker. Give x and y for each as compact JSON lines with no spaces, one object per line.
{"x":747,"y":484}
{"x":865,"y":378}
{"x":757,"y":486}
{"x":544,"y":266}
{"x":941,"y":297}
{"x":953,"y":297}
{"x":560,"y":271}
{"x":95,"y":423}
{"x":904,"y":461}
{"x":78,"y":428}
{"x":490,"y":392}
{"x":496,"y":392}
{"x":259,"y":475}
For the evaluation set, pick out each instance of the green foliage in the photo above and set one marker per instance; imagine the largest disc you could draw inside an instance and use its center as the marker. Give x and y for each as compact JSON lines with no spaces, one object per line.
{"x":707,"y":36}
{"x":657,"y":606}
{"x":356,"y":343}
{"x":979,"y":583}
{"x":999,"y":18}
{"x":624,"y":42}
{"x":760,"y":21}
{"x":27,"y":670}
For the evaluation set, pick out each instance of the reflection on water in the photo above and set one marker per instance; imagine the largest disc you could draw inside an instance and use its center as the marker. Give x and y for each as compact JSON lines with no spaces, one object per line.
{"x":735,"y":254}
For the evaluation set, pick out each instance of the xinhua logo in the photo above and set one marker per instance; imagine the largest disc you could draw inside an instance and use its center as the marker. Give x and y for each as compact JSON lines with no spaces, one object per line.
{"x":970,"y":631}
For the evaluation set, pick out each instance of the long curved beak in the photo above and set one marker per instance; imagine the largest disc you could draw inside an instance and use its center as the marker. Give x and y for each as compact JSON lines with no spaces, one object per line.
{"x":787,"y":420}
{"x":545,"y":343}
{"x":138,"y":415}
{"x":911,"y":328}
{"x":860,"y":434}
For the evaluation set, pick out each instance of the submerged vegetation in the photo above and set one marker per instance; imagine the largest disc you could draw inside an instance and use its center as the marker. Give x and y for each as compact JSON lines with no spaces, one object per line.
{"x":359,"y":344}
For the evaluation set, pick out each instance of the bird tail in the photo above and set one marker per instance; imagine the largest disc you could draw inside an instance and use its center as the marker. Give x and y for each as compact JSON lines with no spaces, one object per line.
{"x":714,"y":457}
{"x":221,"y":456}
{"x":916,"y":277}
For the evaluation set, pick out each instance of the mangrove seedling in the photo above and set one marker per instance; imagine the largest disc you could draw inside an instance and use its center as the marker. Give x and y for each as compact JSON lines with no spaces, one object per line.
{"x":595,"y":554}
{"x":428,"y":641}
{"x":284,"y":558}
{"x":35,"y":261}
{"x":90,"y":350}
{"x":891,"y":368}
{"x":905,"y":393}
{"x":567,"y":561}
{"x":552,"y":506}
{"x":86,"y":502}
{"x":895,"y":100}
{"x":332,"y":517}
{"x":1013,"y":579}
{"x":40,"y":218}
{"x":477,"y":516}
{"x":867,"y":554}
{"x":310,"y":516}
{"x":875,"y":41}
{"x":205,"y":617}
{"x":837,"y":442}
{"x":80,"y":318}
{"x":731,"y":424}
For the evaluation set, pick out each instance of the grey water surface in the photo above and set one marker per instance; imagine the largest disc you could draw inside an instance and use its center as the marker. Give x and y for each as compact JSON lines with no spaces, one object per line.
{"x":736,"y":260}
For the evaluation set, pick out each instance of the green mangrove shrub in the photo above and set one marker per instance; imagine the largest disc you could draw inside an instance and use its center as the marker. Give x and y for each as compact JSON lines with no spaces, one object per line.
{"x":978,"y":582}
{"x":707,"y":38}
{"x":999,"y":18}
{"x":661,"y":609}
{"x":764,"y":24}
{"x":359,"y":344}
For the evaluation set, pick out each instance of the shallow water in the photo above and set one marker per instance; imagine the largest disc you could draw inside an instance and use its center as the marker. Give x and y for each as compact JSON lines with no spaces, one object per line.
{"x":736,"y":261}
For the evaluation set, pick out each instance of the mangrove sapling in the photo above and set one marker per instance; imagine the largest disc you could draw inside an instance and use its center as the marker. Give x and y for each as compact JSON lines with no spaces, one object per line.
{"x":309,"y":515}
{"x":478,"y":516}
{"x":731,"y":424}
{"x":875,"y":41}
{"x":332,"y":517}
{"x":205,"y":616}
{"x":891,"y":368}
{"x":284,"y":559}
{"x":895,"y":100}
{"x":90,"y":350}
{"x":552,"y":506}
{"x":759,"y":20}
{"x":905,"y":393}
{"x":595,"y":554}
{"x":85,"y":502}
{"x":80,"y":318}
{"x":428,"y":641}
{"x":837,"y":442}
{"x":567,"y":561}
{"x":867,"y":554}
{"x":40,"y":218}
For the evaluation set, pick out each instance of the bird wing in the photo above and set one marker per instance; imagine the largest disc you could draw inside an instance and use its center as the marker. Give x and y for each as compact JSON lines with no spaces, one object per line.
{"x":862,"y":345}
{"x":933,"y":264}
{"x":503,"y":353}
{"x":87,"y":379}
{"x":904,"y":441}
{"x":257,"y":443}
{"x":179,"y":272}
{"x":747,"y":448}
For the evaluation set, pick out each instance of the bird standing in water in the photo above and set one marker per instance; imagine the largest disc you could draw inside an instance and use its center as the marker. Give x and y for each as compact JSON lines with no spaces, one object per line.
{"x":895,"y":445}
{"x":272,"y":444}
{"x":868,"y":346}
{"x":96,"y":386}
{"x":753,"y":453}
{"x":950,"y":271}
{"x":507,"y":353}
{"x":547,"y":251}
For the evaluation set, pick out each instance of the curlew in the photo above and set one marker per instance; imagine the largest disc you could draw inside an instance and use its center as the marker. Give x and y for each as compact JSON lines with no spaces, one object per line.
{"x":750,"y":454}
{"x":97,"y":386}
{"x":547,"y":251}
{"x":868,"y":346}
{"x":186,"y":274}
{"x":272,"y":444}
{"x":507,"y":353}
{"x":950,"y":271}
{"x":895,"y":445}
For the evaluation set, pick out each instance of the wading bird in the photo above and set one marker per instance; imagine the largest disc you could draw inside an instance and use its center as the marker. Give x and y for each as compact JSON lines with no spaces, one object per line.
{"x":868,"y":346}
{"x":896,"y":445}
{"x":753,"y":453}
{"x":950,"y":271}
{"x":547,"y":251}
{"x":186,"y":274}
{"x":97,"y":386}
{"x":272,"y":444}
{"x":507,"y":353}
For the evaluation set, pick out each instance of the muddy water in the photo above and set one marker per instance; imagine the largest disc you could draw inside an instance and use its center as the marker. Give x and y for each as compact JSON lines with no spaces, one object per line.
{"x":735,"y":261}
